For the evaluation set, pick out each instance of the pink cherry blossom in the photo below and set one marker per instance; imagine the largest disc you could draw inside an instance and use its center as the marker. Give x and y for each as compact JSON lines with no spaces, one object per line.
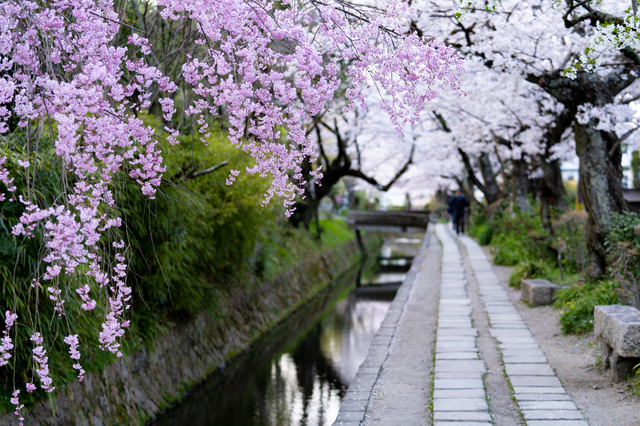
{"x":271,"y":69}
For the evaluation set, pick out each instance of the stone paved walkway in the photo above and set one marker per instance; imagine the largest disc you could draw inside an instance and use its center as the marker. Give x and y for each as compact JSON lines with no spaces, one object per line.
{"x":458,"y":389}
{"x":408,"y":381}
{"x":541,"y":397}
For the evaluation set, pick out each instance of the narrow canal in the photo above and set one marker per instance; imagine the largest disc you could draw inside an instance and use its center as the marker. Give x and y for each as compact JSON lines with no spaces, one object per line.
{"x":299,"y":373}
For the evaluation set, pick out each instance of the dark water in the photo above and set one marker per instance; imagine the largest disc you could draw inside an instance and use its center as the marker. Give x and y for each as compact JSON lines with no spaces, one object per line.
{"x":298,"y":374}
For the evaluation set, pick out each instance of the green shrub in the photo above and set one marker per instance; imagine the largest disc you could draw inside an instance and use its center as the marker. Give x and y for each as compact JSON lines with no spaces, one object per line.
{"x":528,"y":269}
{"x":479,"y":228}
{"x":577,"y":302}
{"x":570,"y":231}
{"x":623,"y":254}
{"x":506,"y":250}
{"x":484,"y":235}
{"x":519,"y":236}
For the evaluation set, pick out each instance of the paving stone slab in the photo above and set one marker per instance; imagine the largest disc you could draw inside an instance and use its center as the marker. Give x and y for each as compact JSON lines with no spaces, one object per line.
{"x":502,"y":334}
{"x":454,"y":324}
{"x":457,"y":332}
{"x":529,"y":370}
{"x":454,"y":293}
{"x":456,"y":355}
{"x":504,"y":317}
{"x":547,"y":405}
{"x":537,"y":389}
{"x":521,"y":352}
{"x":444,"y":349}
{"x":509,"y":326}
{"x":453,"y":315}
{"x":525,"y":360}
{"x":521,"y":381}
{"x":458,"y":384}
{"x":501,"y":321}
{"x":453,"y":338}
{"x":460,"y":404}
{"x":517,"y":341}
{"x":552,"y":415}
{"x":455,"y":344}
{"x":455,"y":301}
{"x":507,"y":323}
{"x":462,"y":415}
{"x":458,"y":375}
{"x":516,"y":346}
{"x":458,"y":393}
{"x":462,"y":424}
{"x":460,"y":367}
{"x":557,"y":423}
{"x":542,"y":397}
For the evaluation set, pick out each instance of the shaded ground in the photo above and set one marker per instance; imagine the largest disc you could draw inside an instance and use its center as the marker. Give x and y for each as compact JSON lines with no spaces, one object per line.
{"x":574,"y":360}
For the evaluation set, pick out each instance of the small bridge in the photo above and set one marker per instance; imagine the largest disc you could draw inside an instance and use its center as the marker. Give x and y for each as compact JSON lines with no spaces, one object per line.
{"x":389,"y":221}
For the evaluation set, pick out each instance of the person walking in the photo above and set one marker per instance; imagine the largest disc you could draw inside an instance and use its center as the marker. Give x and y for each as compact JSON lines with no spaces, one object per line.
{"x":457,"y":206}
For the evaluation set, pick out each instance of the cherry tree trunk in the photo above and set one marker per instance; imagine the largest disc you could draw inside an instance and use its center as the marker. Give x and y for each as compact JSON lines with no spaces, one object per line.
{"x":520,"y":185}
{"x":601,"y":187}
{"x":492,"y":191}
{"x":551,"y":192}
{"x":600,"y":173}
{"x":554,"y":189}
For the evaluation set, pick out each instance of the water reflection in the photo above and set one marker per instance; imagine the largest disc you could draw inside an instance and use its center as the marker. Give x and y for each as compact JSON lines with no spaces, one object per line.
{"x":298,"y":374}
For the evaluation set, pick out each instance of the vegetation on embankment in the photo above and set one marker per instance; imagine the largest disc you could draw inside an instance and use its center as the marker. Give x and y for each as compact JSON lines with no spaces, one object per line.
{"x":193,"y":249}
{"x":146,"y":381}
{"x":519,"y":239}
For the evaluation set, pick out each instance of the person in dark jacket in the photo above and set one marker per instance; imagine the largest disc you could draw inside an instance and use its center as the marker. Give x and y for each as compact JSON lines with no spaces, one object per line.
{"x":457,"y":207}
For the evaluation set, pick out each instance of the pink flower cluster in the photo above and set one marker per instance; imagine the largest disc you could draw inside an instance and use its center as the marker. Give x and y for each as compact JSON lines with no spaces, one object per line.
{"x":113,"y":327}
{"x":16,"y":401}
{"x":58,"y":61}
{"x":7,"y":344}
{"x":42,"y":363}
{"x":273,"y":68}
{"x":74,"y":353}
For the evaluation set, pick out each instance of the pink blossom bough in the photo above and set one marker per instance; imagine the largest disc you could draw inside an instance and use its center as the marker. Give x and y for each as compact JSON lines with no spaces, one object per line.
{"x":271,"y":67}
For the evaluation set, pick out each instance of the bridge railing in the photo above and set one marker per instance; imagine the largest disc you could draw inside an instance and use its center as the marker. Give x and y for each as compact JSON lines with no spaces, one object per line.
{"x":389,"y":221}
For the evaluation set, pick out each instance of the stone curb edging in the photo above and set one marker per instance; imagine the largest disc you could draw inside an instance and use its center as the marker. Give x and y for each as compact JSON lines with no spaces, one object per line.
{"x":354,"y":404}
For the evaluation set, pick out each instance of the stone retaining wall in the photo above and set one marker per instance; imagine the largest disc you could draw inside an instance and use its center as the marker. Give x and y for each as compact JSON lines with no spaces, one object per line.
{"x":142,"y":384}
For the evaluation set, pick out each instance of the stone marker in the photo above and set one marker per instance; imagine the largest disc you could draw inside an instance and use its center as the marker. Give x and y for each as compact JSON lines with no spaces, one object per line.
{"x":538,"y":292}
{"x":617,"y":327}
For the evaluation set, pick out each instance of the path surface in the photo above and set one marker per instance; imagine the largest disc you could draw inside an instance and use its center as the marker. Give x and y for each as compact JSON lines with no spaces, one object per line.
{"x":451,"y":343}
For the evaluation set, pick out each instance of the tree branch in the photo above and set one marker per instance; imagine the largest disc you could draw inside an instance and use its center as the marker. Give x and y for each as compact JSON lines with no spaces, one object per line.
{"x":620,"y":140}
{"x":374,"y":182}
{"x":472,"y":175}
{"x":194,"y":174}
